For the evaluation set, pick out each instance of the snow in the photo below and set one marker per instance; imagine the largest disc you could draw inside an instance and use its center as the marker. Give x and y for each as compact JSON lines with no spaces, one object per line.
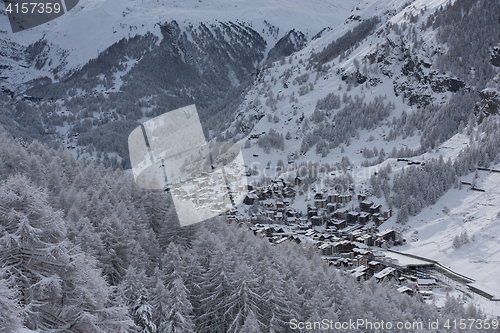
{"x":74,"y":41}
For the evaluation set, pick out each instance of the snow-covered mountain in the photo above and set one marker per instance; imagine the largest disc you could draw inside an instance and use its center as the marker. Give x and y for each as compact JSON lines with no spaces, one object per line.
{"x":408,"y":87}
{"x":374,"y":81}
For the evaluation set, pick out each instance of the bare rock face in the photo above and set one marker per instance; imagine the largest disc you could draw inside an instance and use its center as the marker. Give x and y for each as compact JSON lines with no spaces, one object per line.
{"x":490,"y":102}
{"x":495,"y":56}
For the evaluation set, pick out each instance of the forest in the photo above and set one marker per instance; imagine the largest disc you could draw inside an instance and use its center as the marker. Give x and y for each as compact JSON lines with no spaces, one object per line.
{"x":83,"y":249}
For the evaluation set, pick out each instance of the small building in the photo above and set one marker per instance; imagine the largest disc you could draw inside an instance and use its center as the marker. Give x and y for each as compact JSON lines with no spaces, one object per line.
{"x":250,"y":199}
{"x":375,"y":209}
{"x":331,"y":207}
{"x":333,"y":197}
{"x":320,"y":203}
{"x":389,"y":235}
{"x":364,"y":217}
{"x":352,"y":217}
{"x":341,"y":214}
{"x":345,"y":198}
{"x":317,"y":220}
{"x":365,"y":205}
{"x":388,"y":273}
{"x":360,"y":273}
{"x":426,"y":284}
{"x":406,"y":290}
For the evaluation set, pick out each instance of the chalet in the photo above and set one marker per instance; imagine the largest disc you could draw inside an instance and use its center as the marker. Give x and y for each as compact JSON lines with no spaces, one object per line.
{"x":375,"y":267}
{"x":317,"y":220}
{"x":387,"y":213}
{"x":327,"y":249}
{"x":405,"y":290}
{"x":312,"y":211}
{"x":320,"y":203}
{"x":361,"y":261}
{"x":270,"y":214}
{"x":375,"y":209}
{"x":388,"y":273}
{"x":360,"y":273}
{"x":361,"y":196}
{"x":333,"y":197}
{"x":345,"y":198}
{"x":389,"y":235}
{"x":378,"y":221}
{"x":366,"y":239}
{"x":279,"y":204}
{"x":250,"y":199}
{"x":364,"y":217}
{"x":345,"y":246}
{"x":331,"y":207}
{"x":266,"y":194}
{"x":291,"y":212}
{"x":426,"y":284}
{"x":278,"y":217}
{"x":268,"y":205}
{"x":352,"y":217}
{"x":365,"y":205}
{"x":341,"y":214}
{"x":289,"y":193}
{"x":339,"y":224}
{"x":298,"y":181}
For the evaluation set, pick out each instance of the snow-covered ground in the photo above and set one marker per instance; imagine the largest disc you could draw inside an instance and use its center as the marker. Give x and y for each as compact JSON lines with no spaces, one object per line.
{"x":74,"y":40}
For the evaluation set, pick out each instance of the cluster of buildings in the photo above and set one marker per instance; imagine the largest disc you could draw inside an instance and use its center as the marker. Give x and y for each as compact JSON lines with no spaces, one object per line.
{"x":328,"y":209}
{"x":348,"y":249}
{"x":344,"y":229}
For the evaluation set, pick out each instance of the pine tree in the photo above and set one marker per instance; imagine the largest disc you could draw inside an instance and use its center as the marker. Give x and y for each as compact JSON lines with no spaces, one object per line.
{"x":143,"y":313}
{"x":10,"y":312}
{"x":160,"y":302}
{"x":180,"y":314}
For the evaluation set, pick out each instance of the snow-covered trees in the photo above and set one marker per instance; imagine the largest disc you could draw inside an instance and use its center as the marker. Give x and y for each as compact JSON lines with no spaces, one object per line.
{"x":214,"y":278}
{"x":272,"y":139}
{"x":10,"y":312}
{"x":339,"y":128}
{"x":58,"y":284}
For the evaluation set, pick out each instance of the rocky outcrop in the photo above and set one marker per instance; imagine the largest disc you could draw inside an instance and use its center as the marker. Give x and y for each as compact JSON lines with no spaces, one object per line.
{"x":495,"y":56}
{"x":490,"y":102}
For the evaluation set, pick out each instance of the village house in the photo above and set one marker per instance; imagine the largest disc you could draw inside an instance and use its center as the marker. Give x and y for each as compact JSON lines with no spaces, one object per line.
{"x":320,"y":203}
{"x":388,"y":273}
{"x":360,"y":273}
{"x":389,"y":235}
{"x":317,"y":220}
{"x":250,"y":199}
{"x":352,"y":217}
{"x":333,"y":198}
{"x":426,"y":284}
{"x":364,"y":217}
{"x":375,"y":267}
{"x":365,"y":205}
{"x":341,"y":214}
{"x":375,"y":209}
{"x":345,"y":198}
